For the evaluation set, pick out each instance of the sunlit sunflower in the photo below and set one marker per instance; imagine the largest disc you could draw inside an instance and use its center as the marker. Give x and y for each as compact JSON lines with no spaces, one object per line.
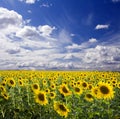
{"x":118,"y":85}
{"x":41,"y":98}
{"x":11,"y":82}
{"x":106,"y":91}
{"x":5,"y":95}
{"x":88,"y":97}
{"x":52,"y":95}
{"x":64,"y":90}
{"x":53,"y":86}
{"x":95,"y":92}
{"x":35,"y":87}
{"x":20,"y":83}
{"x":78,"y":90}
{"x":47,"y":90}
{"x":2,"y":88}
{"x":61,"y":109}
{"x":84,"y":85}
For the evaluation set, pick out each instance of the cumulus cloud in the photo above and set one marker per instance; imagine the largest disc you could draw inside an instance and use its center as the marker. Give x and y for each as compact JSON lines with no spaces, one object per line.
{"x":29,"y":47}
{"x":100,"y":26}
{"x":46,"y":30}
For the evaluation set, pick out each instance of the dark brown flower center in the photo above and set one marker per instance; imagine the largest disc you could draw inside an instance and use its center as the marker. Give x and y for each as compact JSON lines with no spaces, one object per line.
{"x":77,"y":89}
{"x":12,"y":82}
{"x":62,"y":107}
{"x":41,"y":96}
{"x":35,"y":86}
{"x":104,"y":90}
{"x":64,"y":90}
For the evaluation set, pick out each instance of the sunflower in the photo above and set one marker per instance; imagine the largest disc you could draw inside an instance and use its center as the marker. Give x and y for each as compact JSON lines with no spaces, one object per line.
{"x":35,"y":87}
{"x":52,"y":95}
{"x":5,"y":95}
{"x":88,"y":97}
{"x":47,"y":90}
{"x":61,"y":109}
{"x":106,"y":91}
{"x":118,"y":85}
{"x":40,"y":98}
{"x":78,"y":90}
{"x":64,"y":90}
{"x":53,"y":86}
{"x":2,"y":88}
{"x":11,"y":82}
{"x":84,"y":85}
{"x":20,"y":83}
{"x":95,"y":92}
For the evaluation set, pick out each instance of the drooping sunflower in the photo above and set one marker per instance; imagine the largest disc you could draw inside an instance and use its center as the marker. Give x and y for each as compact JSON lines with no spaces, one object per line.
{"x":2,"y":88}
{"x":11,"y":82}
{"x":88,"y":97}
{"x":106,"y":91}
{"x":41,"y":98}
{"x":61,"y":109}
{"x":5,"y":95}
{"x":35,"y":87}
{"x":64,"y":90}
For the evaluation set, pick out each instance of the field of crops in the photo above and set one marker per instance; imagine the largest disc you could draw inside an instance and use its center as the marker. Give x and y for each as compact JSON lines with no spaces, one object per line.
{"x":59,"y":94}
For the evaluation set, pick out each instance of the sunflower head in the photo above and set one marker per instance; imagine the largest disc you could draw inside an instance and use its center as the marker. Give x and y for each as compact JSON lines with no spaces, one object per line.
{"x":78,"y":90}
{"x":11,"y":82}
{"x":61,"y":109}
{"x":89,"y":97}
{"x":5,"y":95}
{"x":106,"y":91}
{"x":64,"y":90}
{"x":40,"y":98}
{"x":35,"y":87}
{"x":52,"y":95}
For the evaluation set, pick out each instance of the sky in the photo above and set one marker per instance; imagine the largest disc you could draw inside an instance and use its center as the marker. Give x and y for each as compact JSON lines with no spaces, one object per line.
{"x":60,"y":34}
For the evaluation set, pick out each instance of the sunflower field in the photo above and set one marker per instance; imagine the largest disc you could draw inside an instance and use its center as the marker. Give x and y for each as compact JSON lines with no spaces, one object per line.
{"x":59,"y":95}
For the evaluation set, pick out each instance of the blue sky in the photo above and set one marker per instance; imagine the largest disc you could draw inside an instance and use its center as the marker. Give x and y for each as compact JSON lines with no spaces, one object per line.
{"x":60,"y":34}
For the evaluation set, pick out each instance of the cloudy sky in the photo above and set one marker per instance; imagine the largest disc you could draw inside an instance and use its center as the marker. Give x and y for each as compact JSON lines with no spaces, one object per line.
{"x":60,"y":34}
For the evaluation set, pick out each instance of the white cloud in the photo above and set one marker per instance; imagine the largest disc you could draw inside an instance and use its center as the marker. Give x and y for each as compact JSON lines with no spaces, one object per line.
{"x":46,"y":30}
{"x":92,"y":40}
{"x":29,"y":47}
{"x":100,"y":26}
{"x":28,"y":1}
{"x":9,"y":20}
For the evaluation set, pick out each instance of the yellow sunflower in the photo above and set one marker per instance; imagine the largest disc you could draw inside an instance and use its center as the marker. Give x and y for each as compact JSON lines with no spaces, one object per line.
{"x":89,"y":97}
{"x":2,"y":88}
{"x":106,"y":91}
{"x":95,"y":92}
{"x":41,"y":98}
{"x":5,"y":95}
{"x":64,"y":90}
{"x":61,"y":109}
{"x":35,"y":87}
{"x":11,"y":82}
{"x":78,"y":90}
{"x":52,"y":95}
{"x":20,"y":83}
